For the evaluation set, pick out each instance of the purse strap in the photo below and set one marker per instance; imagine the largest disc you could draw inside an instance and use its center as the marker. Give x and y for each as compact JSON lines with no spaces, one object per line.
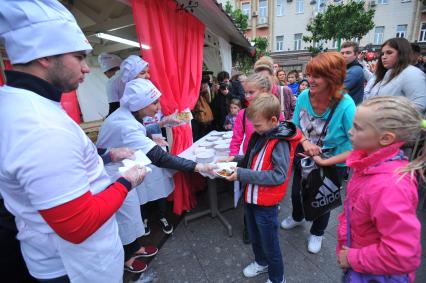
{"x":327,"y":122}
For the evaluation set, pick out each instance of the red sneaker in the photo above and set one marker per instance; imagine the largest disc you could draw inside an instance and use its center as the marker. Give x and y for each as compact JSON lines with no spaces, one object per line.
{"x":149,"y":251}
{"x":136,"y":267}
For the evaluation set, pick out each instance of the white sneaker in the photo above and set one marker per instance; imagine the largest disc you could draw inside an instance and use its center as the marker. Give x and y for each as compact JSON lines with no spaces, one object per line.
{"x":289,"y":223}
{"x":314,"y":243}
{"x":254,"y":269}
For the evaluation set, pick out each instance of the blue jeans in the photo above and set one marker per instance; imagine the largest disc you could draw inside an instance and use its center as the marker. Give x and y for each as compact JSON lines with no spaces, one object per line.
{"x":263,"y":227}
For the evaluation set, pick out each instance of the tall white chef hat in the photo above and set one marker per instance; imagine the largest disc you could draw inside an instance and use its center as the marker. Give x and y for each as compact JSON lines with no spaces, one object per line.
{"x":108,"y":61}
{"x":138,"y":94}
{"x":131,"y":67}
{"x":32,"y":29}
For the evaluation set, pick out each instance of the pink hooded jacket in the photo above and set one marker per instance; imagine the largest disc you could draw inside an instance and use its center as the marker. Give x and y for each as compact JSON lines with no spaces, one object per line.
{"x":385,"y":232}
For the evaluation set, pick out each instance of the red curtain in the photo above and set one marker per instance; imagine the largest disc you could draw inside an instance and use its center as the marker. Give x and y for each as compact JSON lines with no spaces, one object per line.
{"x":70,"y":104}
{"x":7,"y":66}
{"x":176,"y":39}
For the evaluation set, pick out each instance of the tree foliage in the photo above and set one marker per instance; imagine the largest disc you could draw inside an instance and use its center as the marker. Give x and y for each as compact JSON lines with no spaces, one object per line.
{"x":243,"y":60}
{"x":240,"y":19}
{"x":340,"y":21}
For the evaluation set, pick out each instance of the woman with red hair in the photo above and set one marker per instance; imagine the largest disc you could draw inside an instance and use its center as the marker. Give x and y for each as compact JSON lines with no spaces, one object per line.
{"x":324,"y":97}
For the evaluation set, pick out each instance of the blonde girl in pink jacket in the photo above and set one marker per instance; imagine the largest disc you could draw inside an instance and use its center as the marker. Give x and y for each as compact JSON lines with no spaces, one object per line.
{"x":243,"y":129}
{"x":382,"y":195}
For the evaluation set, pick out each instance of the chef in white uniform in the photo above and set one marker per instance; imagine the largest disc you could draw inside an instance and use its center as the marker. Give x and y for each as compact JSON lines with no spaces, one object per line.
{"x":124,"y":128}
{"x":51,"y":177}
{"x":110,"y":65}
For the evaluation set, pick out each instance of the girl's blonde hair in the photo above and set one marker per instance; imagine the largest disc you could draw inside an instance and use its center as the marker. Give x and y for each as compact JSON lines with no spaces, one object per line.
{"x":259,"y":81}
{"x":398,"y":115}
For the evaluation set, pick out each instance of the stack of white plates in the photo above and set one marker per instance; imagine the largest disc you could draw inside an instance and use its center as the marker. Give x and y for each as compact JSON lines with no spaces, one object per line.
{"x":227,"y":135}
{"x":205,"y":157}
{"x":207,"y":144}
{"x":222,"y":149}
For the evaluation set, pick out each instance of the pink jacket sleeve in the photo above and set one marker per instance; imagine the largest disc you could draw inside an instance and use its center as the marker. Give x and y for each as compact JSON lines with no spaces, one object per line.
{"x":341,"y":230}
{"x":399,"y":250}
{"x":237,"y":135}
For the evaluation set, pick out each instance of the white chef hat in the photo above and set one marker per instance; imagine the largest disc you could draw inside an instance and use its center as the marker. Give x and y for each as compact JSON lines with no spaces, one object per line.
{"x":138,"y":94}
{"x":131,"y":67}
{"x":108,"y":61}
{"x":32,"y":29}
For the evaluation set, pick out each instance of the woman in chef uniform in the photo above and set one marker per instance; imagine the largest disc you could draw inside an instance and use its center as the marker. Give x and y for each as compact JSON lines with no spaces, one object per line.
{"x":123,"y":128}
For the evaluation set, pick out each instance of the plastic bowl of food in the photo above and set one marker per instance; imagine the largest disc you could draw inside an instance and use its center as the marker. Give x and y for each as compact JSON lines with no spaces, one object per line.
{"x":212,"y":138}
{"x":205,"y":157}
{"x":207,"y":144}
{"x":202,"y":149}
{"x":227,"y":135}
{"x":225,"y":169}
{"x":221,"y":149}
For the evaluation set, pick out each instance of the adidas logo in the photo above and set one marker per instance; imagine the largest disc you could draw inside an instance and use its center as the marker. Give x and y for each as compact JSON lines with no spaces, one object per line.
{"x":327,"y":194}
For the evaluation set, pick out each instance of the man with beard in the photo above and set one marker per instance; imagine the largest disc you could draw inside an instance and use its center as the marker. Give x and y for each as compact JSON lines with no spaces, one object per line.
{"x":51,"y":176}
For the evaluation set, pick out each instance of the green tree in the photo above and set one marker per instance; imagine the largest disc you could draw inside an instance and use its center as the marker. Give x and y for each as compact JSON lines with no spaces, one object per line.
{"x":243,"y":60}
{"x":240,"y":19}
{"x":340,"y":21}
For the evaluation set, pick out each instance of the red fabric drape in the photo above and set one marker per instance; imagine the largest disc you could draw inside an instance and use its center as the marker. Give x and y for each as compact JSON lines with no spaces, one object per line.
{"x":176,"y":58}
{"x":7,"y":66}
{"x":70,"y":104}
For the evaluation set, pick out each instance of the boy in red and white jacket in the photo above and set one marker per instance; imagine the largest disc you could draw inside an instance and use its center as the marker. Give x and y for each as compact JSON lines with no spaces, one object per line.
{"x":264,"y":172}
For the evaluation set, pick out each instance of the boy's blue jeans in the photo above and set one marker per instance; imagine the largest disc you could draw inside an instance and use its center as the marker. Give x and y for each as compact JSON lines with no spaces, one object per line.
{"x":263,"y":227}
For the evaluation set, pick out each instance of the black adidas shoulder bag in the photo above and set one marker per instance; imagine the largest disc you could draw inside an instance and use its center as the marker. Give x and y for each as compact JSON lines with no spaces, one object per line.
{"x":320,"y":185}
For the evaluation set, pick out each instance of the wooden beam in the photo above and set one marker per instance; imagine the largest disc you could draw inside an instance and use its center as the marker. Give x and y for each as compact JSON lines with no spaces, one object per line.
{"x":106,"y":12}
{"x":89,"y":12}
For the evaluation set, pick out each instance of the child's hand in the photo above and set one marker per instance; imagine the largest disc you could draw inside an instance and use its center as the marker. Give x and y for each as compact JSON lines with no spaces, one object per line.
{"x":343,"y":258}
{"x":225,"y":159}
{"x":320,"y":161}
{"x":234,"y":176}
{"x":310,"y":148}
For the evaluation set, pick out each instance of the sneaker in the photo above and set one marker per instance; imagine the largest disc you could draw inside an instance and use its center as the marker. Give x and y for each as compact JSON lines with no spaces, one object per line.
{"x":269,"y":281}
{"x":167,"y":228}
{"x":314,"y":243}
{"x":147,"y":230}
{"x":136,"y":267}
{"x":149,"y":251}
{"x":254,"y":269}
{"x":246,"y":238}
{"x":289,"y":223}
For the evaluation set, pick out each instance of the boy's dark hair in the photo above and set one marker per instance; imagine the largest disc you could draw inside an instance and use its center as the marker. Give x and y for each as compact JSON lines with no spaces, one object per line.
{"x":235,"y":101}
{"x":266,"y":105}
{"x":293,"y":72}
{"x":352,"y":44}
{"x":221,"y":76}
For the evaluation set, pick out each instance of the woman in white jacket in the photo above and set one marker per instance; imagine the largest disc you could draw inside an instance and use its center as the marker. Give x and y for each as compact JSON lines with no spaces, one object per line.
{"x":396,"y":76}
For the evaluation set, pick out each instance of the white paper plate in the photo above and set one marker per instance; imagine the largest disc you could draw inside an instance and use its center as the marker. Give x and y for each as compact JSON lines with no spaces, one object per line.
{"x":224,"y":166}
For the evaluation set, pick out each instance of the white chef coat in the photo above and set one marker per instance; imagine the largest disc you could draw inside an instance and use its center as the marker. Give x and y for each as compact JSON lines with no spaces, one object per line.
{"x":47,"y":160}
{"x":121,"y":129}
{"x":115,"y":87}
{"x":129,"y":217}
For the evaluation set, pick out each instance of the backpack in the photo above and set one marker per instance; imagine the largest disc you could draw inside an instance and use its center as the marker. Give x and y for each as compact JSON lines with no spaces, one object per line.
{"x":202,"y":111}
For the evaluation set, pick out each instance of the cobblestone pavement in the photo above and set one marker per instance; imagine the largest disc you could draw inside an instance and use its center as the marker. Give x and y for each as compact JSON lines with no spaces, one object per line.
{"x":203,"y":252}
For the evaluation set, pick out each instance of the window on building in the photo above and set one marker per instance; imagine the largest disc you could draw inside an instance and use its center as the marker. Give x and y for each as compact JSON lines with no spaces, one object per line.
{"x":263,"y":8}
{"x":299,"y":6}
{"x":401,"y":30}
{"x":246,"y":8}
{"x":280,"y":43}
{"x":297,"y":41}
{"x":280,"y":8}
{"x":378,"y":34}
{"x":422,"y":37}
{"x":382,"y":1}
{"x":320,"y":5}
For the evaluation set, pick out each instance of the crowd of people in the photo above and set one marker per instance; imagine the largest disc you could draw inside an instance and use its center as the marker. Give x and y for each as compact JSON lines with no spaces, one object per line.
{"x":77,"y":215}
